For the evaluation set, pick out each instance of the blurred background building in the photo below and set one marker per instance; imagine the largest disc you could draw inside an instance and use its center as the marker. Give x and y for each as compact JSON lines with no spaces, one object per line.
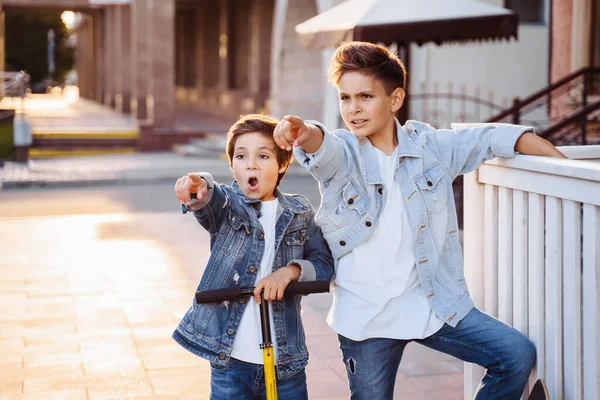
{"x":185,"y":67}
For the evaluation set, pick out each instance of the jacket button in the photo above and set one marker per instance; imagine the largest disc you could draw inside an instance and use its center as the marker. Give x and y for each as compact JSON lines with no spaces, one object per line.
{"x":429,"y":183}
{"x":222,"y":356}
{"x":350,"y":201}
{"x":342,"y":243}
{"x":230,"y":331}
{"x":380,"y":190}
{"x":261,"y":236}
{"x":242,"y":300}
{"x":252,"y":269}
{"x":368,"y":223}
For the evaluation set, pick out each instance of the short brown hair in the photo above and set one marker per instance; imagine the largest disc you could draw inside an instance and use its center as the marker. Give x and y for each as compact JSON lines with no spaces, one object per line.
{"x":370,"y":59}
{"x":261,"y":123}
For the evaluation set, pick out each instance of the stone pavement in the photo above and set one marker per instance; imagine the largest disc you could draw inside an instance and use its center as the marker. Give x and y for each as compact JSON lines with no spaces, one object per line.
{"x":57,"y":115}
{"x":88,"y":303}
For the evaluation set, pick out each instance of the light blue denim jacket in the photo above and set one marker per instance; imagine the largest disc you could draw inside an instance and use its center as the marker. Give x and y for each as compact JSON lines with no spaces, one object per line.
{"x":237,"y":247}
{"x":429,"y":160}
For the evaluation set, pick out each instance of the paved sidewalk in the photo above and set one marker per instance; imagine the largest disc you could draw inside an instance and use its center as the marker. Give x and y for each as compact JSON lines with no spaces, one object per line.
{"x":55,"y":116}
{"x":127,"y":168}
{"x":88,"y":304}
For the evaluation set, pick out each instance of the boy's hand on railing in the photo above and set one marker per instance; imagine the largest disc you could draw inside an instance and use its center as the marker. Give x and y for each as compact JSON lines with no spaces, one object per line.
{"x":186,"y":185}
{"x":292,"y":131}
{"x":531,"y":144}
{"x":274,"y":284}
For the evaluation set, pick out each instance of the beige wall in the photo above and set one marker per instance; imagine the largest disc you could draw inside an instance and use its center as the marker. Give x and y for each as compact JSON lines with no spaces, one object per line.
{"x":297,"y":81}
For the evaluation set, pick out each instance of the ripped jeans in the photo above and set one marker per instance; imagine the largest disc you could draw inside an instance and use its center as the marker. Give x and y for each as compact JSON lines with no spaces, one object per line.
{"x":508,"y":356}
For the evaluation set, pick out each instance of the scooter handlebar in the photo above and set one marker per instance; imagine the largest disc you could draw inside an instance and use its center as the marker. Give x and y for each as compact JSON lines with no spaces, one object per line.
{"x":232,"y":294}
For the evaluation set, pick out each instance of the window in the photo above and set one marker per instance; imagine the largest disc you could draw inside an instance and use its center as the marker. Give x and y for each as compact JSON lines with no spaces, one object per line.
{"x":529,"y":11}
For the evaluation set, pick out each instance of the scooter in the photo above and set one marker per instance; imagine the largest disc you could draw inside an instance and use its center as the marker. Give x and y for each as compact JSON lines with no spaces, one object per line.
{"x":233,"y":294}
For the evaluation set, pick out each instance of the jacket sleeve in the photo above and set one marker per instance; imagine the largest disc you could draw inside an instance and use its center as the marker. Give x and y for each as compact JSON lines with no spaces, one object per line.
{"x":317,"y":264}
{"x":464,"y":150}
{"x":328,"y":160}
{"x":209,"y":210}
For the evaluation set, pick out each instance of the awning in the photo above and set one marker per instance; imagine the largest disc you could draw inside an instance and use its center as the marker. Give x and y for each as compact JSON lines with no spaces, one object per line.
{"x":408,"y":21}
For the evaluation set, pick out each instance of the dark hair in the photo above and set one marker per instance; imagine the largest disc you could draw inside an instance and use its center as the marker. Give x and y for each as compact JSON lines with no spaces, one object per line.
{"x":261,"y":123}
{"x":370,"y":59}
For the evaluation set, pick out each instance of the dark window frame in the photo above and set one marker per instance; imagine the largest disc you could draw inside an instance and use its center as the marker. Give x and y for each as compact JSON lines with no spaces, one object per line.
{"x":531,"y":12}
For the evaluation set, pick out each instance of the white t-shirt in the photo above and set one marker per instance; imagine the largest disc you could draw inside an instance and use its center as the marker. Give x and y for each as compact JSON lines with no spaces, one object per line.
{"x":378,"y":293}
{"x":246,"y":345}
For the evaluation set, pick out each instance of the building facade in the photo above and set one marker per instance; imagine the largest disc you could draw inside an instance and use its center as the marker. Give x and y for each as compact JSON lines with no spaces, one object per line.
{"x":157,"y":59}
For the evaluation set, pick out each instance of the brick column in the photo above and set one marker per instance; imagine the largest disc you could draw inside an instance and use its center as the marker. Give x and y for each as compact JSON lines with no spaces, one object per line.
{"x":98,"y":22}
{"x":117,"y":72}
{"x":224,"y":45}
{"x":562,"y":22}
{"x":140,"y":58}
{"x":255,"y":44}
{"x":109,"y":55}
{"x":126,"y":62}
{"x":200,"y":54}
{"x":163,"y":62}
{"x":580,"y":39}
{"x":85,"y":58}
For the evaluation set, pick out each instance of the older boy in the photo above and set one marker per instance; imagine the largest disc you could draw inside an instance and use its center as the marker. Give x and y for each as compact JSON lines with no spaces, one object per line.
{"x":389,"y":217}
{"x":259,"y":237}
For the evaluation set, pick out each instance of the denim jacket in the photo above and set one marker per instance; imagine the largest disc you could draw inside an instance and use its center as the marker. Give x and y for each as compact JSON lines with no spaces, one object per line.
{"x":237,"y":247}
{"x":429,"y":160}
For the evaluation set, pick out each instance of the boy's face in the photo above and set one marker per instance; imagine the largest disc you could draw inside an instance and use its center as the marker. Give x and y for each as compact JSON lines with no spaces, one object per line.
{"x":254,"y":165}
{"x":367,"y":110}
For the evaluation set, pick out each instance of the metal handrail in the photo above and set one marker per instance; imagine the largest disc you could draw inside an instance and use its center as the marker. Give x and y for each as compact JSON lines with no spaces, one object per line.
{"x":14,"y":83}
{"x":522,"y":103}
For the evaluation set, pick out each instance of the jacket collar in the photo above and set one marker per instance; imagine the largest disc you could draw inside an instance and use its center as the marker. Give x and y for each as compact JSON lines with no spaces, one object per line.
{"x":405,"y":148}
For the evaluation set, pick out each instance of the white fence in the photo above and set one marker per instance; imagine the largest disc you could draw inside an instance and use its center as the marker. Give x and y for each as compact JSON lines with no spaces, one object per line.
{"x":532,"y":259}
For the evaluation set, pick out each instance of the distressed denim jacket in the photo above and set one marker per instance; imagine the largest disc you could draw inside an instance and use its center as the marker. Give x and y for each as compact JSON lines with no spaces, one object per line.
{"x":429,"y":160}
{"x":237,"y":247}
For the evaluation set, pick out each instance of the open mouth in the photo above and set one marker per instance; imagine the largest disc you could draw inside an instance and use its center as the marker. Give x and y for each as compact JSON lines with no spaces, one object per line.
{"x":252,"y":183}
{"x":359,"y":122}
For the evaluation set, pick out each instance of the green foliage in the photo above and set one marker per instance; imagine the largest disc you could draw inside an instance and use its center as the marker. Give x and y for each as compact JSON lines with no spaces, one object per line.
{"x":7,"y":144}
{"x":27,"y":45}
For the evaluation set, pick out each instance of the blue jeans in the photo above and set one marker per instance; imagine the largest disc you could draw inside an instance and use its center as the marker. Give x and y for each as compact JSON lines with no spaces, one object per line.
{"x":242,"y":380}
{"x":506,"y":353}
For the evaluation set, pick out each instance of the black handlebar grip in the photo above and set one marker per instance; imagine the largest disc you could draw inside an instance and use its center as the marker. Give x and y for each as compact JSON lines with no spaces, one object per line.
{"x":233,"y":294}
{"x":215,"y":296}
{"x":307,"y":287}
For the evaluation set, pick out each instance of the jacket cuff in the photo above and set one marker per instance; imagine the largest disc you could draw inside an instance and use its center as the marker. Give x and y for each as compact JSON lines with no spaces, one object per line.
{"x":307,"y":270}
{"x":196,"y":204}
{"x":505,"y":139}
{"x":322,"y":156}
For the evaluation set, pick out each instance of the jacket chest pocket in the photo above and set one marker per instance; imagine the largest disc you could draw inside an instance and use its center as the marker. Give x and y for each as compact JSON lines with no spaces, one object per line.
{"x":294,"y":243}
{"x":432,"y":187}
{"x":349,"y":205}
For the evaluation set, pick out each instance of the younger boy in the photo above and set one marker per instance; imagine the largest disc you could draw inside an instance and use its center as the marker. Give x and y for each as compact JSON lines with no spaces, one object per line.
{"x":389,"y":217}
{"x":259,"y":236}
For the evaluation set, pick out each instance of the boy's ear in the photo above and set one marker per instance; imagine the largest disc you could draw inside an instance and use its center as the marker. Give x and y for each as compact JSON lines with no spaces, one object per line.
{"x":397,"y":99}
{"x":283,"y":168}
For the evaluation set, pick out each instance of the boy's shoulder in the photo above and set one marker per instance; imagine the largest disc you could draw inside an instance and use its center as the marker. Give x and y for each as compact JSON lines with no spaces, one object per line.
{"x":297,"y":201}
{"x":418,"y":128}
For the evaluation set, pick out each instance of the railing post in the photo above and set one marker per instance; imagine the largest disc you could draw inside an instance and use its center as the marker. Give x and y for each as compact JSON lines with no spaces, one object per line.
{"x":516,"y":111}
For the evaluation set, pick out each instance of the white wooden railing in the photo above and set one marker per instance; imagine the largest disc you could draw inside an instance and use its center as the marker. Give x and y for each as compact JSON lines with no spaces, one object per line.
{"x":532,"y":259}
